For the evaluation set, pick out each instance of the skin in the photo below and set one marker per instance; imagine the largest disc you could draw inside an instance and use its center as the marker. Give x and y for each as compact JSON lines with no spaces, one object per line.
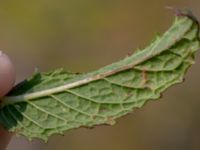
{"x":7,"y":80}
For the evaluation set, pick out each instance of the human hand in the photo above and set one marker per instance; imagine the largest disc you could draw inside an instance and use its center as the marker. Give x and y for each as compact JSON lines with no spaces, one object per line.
{"x":7,"y":80}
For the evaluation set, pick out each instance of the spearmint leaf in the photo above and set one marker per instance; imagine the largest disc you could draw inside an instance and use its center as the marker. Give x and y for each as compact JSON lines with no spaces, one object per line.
{"x":54,"y":102}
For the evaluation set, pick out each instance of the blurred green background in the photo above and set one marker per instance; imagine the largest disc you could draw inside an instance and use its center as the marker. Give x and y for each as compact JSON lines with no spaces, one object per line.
{"x":84,"y":35}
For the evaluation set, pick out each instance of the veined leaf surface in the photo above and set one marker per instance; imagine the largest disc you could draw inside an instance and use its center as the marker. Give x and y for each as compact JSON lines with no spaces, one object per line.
{"x":54,"y":102}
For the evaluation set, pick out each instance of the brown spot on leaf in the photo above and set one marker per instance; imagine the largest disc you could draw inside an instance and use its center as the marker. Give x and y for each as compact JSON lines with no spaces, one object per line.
{"x":110,"y":120}
{"x":144,"y":77}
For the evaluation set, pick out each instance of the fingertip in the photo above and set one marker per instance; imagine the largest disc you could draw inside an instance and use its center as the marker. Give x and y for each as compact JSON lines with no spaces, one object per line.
{"x":7,"y":74}
{"x":5,"y":138}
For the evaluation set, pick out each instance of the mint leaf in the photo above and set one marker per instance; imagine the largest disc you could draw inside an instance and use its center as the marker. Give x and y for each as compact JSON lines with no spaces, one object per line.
{"x":54,"y":102}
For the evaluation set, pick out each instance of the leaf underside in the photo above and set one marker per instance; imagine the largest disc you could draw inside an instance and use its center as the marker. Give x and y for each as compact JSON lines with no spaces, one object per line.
{"x":54,"y":102}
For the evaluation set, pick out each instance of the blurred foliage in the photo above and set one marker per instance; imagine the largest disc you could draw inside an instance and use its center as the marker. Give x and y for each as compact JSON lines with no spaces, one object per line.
{"x":85,"y":35}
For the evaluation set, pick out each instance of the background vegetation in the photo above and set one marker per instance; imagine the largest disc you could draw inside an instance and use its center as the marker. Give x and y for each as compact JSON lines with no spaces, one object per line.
{"x":85,"y":35}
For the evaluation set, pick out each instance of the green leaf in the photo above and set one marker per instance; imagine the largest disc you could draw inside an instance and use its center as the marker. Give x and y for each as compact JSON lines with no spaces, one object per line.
{"x":54,"y":102}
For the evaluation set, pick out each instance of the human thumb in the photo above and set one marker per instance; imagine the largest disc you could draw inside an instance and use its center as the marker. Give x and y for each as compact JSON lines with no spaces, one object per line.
{"x":7,"y":74}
